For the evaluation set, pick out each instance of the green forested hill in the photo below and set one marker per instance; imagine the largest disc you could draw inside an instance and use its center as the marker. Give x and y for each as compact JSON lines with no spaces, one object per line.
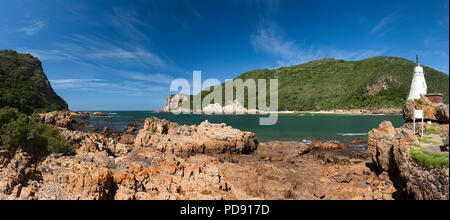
{"x":24,"y":86}
{"x":379,"y":82}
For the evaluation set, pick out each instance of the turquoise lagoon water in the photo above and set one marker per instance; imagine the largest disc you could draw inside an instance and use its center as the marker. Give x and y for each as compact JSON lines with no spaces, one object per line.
{"x":290,"y":127}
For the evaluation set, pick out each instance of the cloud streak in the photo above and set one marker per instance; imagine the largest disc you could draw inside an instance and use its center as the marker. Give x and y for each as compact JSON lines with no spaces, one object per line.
{"x":90,"y":49}
{"x":156,"y":78}
{"x":128,"y":23}
{"x":384,"y":25}
{"x":269,"y":39}
{"x":129,"y":88}
{"x":33,"y":28}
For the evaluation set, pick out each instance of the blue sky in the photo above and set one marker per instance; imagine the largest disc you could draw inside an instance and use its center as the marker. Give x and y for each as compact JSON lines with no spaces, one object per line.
{"x":122,"y":55}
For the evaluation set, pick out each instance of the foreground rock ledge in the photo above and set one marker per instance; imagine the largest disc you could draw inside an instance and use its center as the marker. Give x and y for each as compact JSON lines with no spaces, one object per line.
{"x":148,"y":165}
{"x":390,"y":149}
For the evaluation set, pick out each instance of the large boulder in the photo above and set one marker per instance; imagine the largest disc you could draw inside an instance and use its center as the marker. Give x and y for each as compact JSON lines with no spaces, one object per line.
{"x":438,"y":112}
{"x":82,"y":115}
{"x":323,"y":146}
{"x":99,"y":114}
{"x":58,"y":119}
{"x":385,"y":141}
{"x":205,"y":138}
{"x":96,"y":142}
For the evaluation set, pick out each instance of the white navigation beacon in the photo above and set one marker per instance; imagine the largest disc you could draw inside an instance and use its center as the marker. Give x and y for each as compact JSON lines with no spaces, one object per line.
{"x":419,"y":85}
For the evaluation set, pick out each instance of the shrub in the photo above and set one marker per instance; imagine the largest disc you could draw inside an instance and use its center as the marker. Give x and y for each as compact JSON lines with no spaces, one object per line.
{"x":53,"y":140}
{"x":17,"y":130}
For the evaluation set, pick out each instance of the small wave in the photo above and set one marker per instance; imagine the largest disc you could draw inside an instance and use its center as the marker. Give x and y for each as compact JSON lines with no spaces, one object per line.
{"x":352,"y":134}
{"x":306,"y":141}
{"x":113,"y":113}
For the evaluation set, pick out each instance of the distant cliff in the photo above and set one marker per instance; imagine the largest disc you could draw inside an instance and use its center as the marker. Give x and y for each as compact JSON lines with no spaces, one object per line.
{"x":329,"y":84}
{"x":23,"y":84}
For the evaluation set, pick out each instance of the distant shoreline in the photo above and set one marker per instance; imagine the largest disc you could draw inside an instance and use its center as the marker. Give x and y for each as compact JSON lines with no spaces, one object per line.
{"x":333,"y":112}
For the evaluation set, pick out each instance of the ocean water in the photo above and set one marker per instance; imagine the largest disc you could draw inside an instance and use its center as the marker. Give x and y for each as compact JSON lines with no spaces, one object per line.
{"x":290,"y":127}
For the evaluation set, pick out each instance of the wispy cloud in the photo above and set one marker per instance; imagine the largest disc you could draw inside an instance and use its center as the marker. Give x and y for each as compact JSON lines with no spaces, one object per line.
{"x":33,"y":28}
{"x":128,"y":23}
{"x":269,"y":38}
{"x":141,"y":77}
{"x":133,"y":54}
{"x":383,"y":26}
{"x":78,"y":83}
{"x":443,"y":22}
{"x":130,"y":88}
{"x":156,"y":78}
{"x":192,"y":9}
{"x":89,"y":49}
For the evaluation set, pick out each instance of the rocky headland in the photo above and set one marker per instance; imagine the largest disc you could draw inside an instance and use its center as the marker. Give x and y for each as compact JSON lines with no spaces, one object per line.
{"x":24,"y":85}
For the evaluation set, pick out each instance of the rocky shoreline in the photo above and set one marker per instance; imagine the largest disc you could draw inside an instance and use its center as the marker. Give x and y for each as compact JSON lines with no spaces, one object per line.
{"x":168,"y":161}
{"x":391,"y":154}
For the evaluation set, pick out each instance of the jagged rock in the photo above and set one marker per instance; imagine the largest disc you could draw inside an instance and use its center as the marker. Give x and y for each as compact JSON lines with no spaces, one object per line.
{"x":206,"y":138}
{"x":99,"y":114}
{"x":442,"y":114}
{"x":93,"y":142}
{"x":131,"y":128}
{"x":4,"y":158}
{"x":322,"y":146}
{"x":358,"y":141}
{"x":438,"y":112}
{"x":82,"y":115}
{"x":80,"y":177}
{"x":390,"y":149}
{"x":175,"y":103}
{"x":15,"y":173}
{"x":58,"y":119}
{"x":147,"y":174}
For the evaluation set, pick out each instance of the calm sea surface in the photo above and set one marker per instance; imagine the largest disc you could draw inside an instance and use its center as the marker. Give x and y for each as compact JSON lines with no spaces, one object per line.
{"x":292,"y":127}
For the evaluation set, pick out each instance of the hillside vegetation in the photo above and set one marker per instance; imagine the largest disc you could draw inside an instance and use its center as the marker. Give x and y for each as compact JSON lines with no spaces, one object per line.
{"x":24,"y":86}
{"x":327,"y":84}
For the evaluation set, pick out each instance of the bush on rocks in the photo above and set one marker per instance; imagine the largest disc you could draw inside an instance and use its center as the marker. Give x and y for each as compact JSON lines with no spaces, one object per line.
{"x":18,"y":130}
